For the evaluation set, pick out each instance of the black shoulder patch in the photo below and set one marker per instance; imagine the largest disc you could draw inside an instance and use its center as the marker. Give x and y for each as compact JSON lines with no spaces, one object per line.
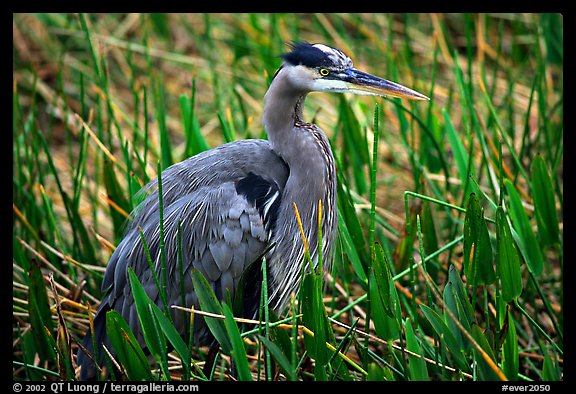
{"x":263,"y":194}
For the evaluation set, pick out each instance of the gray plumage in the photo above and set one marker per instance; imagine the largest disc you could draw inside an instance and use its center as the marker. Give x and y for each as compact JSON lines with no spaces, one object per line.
{"x":235,"y":202}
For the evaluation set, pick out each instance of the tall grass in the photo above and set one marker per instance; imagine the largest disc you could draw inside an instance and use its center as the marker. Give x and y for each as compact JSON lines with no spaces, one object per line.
{"x":449,"y":255}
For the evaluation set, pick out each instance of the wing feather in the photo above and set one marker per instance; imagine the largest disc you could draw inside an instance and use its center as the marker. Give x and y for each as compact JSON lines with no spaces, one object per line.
{"x":223,"y":222}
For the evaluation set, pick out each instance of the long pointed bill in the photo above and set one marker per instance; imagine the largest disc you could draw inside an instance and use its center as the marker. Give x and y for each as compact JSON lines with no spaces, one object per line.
{"x":363,"y":83}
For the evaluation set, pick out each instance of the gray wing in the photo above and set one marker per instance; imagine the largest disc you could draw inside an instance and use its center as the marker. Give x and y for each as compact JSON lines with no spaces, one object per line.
{"x":225,"y":200}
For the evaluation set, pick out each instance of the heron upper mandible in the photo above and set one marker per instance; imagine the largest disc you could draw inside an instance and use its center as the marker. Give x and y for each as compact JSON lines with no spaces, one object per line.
{"x":235,"y":204}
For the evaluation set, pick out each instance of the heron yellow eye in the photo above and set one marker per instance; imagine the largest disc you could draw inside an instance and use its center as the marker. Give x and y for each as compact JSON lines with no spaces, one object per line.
{"x":324,"y":72}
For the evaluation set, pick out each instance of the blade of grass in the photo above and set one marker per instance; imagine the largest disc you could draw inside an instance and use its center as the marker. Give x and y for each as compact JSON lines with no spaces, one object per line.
{"x":116,"y":198}
{"x":195,"y":142}
{"x":484,"y":369}
{"x":375,"y":291}
{"x":418,"y":369}
{"x":163,"y":290}
{"x":209,"y":303}
{"x":154,"y":339}
{"x":349,"y":249}
{"x":551,"y":368}
{"x":312,"y":317}
{"x":280,"y":358}
{"x":445,"y":334}
{"x":501,"y":131}
{"x":357,"y":154}
{"x":526,"y":239}
{"x":510,"y":363}
{"x":265,"y":313}
{"x":544,"y":203}
{"x":478,"y":264}
{"x":507,"y":259}
{"x":485,"y":356}
{"x":126,"y":347}
{"x":80,"y":236}
{"x":39,"y":312}
{"x":165,"y":145}
{"x":238,"y":349}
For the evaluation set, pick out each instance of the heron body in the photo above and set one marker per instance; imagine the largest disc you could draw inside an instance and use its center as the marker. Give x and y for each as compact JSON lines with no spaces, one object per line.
{"x":234,"y":204}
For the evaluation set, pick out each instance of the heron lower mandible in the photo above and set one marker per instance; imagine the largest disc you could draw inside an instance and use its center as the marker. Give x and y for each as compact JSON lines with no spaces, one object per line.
{"x":235,"y":204}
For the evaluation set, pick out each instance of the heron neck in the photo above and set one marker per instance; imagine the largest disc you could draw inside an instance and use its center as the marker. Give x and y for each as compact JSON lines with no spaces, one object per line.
{"x":283,"y":105}
{"x":306,"y":151}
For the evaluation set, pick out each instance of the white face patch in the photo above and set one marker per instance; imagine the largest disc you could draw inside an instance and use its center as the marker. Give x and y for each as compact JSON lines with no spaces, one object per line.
{"x":336,"y":56}
{"x":329,"y":85}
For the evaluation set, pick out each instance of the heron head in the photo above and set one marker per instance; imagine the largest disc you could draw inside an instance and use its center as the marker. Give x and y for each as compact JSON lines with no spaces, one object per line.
{"x":320,"y":68}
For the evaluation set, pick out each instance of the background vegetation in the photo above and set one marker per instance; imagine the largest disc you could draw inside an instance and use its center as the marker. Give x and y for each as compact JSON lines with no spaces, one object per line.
{"x":449,"y":257}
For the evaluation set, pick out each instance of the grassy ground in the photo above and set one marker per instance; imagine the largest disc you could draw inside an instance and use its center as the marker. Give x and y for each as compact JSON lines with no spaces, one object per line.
{"x":429,"y":281}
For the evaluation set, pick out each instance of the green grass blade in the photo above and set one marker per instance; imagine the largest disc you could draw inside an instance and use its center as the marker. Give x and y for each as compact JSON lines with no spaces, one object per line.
{"x":443,"y":331}
{"x":117,"y":197}
{"x":418,"y":369}
{"x":347,"y":213}
{"x":80,"y":169}
{"x":459,"y":151}
{"x":280,"y":358}
{"x":544,"y":203}
{"x":507,"y":259}
{"x":227,"y":127}
{"x":551,"y":369}
{"x":127,"y":349}
{"x":161,"y":24}
{"x":195,"y":141}
{"x":153,"y":338}
{"x":337,"y":361}
{"x":456,"y":300}
{"x":552,"y":31}
{"x":375,"y":372}
{"x":461,"y":294}
{"x":39,"y":311}
{"x":80,"y":236}
{"x":172,"y":336}
{"x":320,"y":327}
{"x":95,"y":61}
{"x":314,"y":317}
{"x":429,"y":231}
{"x":346,"y":203}
{"x":161,"y":341}
{"x":182,"y":278}
{"x":165,"y":145}
{"x":209,"y":303}
{"x":39,"y":371}
{"x":350,"y":251}
{"x":380,"y":280}
{"x":510,"y":363}
{"x":281,"y":337}
{"x":503,"y":135}
{"x":238,"y":349}
{"x":478,"y":259}
{"x":527,"y":242}
{"x":163,"y":273}
{"x":149,"y":260}
{"x":264,"y":314}
{"x":357,"y":154}
{"x":485,"y":372}
{"x":386,"y":327}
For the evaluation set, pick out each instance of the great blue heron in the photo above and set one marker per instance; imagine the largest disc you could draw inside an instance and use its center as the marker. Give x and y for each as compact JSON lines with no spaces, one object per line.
{"x":235,"y":203}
